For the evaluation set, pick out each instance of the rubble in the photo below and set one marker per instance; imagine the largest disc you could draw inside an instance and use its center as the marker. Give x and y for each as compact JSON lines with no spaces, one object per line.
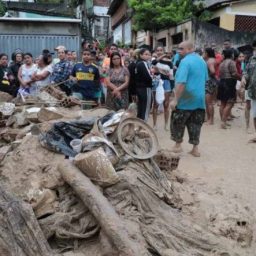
{"x":167,"y":160}
{"x":117,"y":196}
{"x":3,"y":151}
{"x":7,"y":108}
{"x":9,"y":135}
{"x":5,"y":97}
{"x":47,"y":114}
{"x":96,"y":166}
{"x":43,"y":202}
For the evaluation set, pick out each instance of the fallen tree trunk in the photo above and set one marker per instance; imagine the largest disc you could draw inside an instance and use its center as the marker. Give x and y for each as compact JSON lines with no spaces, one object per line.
{"x":20,"y":233}
{"x":101,"y":209}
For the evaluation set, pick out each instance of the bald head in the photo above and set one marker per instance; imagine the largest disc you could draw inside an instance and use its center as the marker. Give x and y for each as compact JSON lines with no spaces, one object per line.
{"x":185,"y":48}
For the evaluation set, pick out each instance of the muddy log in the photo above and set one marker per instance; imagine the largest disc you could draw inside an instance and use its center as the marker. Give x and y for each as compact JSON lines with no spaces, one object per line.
{"x":101,"y":209}
{"x":20,"y":233}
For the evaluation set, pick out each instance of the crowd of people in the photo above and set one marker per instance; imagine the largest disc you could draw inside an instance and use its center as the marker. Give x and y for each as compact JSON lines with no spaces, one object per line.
{"x":192,"y":82}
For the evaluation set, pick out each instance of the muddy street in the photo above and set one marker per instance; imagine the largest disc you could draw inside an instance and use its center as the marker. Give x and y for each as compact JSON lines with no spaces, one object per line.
{"x":222,"y":181}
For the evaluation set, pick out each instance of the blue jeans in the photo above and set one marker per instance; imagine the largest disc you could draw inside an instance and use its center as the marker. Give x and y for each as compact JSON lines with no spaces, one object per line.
{"x":168,"y":86}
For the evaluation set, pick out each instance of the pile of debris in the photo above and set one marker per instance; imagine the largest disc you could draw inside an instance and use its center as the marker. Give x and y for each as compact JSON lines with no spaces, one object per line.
{"x":91,"y":182}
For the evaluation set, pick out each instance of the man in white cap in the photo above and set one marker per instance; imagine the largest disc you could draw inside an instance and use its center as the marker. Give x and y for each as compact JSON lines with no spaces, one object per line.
{"x":62,"y":70}
{"x":60,"y":47}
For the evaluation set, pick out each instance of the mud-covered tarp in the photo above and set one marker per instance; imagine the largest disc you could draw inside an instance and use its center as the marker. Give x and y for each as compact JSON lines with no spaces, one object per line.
{"x":58,"y":138}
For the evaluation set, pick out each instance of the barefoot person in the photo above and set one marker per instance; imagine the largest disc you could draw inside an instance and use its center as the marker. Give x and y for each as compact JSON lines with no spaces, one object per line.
{"x":247,"y":111}
{"x":211,"y":84}
{"x":188,"y":106}
{"x":249,"y":82}
{"x":227,"y":86}
{"x":165,"y":69}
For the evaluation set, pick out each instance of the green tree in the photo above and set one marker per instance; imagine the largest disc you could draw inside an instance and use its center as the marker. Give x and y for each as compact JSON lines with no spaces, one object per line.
{"x":2,"y":8}
{"x":155,"y":14}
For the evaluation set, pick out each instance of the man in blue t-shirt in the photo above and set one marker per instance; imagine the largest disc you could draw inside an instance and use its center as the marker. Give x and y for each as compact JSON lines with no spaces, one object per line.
{"x":86,"y":77}
{"x":189,"y":103}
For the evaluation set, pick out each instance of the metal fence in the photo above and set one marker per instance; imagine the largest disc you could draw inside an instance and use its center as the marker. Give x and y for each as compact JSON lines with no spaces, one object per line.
{"x":36,"y":43}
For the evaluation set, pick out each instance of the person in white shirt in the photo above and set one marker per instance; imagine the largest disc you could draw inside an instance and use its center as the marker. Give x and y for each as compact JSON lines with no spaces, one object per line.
{"x":26,"y":72}
{"x":42,"y":74}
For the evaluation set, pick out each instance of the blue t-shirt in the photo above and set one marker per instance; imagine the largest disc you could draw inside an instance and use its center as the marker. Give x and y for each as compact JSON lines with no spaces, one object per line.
{"x":193,"y":74}
{"x":176,"y":58}
{"x":88,"y":79}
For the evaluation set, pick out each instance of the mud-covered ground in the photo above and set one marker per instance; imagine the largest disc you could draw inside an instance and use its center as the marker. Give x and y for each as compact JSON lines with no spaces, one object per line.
{"x":216,"y":190}
{"x":221,"y":183}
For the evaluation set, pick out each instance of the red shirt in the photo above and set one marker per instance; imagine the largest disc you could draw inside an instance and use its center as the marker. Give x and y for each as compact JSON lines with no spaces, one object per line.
{"x":218,"y":59}
{"x":239,"y":69}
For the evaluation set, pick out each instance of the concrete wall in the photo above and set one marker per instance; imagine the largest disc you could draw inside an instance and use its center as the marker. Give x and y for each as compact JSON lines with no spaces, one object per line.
{"x":185,"y":28}
{"x":202,"y":34}
{"x":227,"y":14}
{"x":248,"y":7}
{"x":227,"y":21}
{"x":206,"y":34}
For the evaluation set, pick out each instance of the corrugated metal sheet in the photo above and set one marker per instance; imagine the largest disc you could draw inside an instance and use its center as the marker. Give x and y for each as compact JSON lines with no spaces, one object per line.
{"x":36,"y":43}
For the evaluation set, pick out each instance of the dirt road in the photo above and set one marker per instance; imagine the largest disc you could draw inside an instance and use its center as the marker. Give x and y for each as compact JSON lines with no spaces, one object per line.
{"x":223,"y":180}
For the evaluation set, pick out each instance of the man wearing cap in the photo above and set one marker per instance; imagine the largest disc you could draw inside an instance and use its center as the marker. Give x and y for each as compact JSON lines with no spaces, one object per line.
{"x":60,"y":47}
{"x":62,"y":70}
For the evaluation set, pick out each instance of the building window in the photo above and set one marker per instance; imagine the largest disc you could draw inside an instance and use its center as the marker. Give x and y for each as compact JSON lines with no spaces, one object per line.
{"x":177,"y":38}
{"x":245,"y":23}
{"x":98,"y":31}
{"x":127,"y":33}
{"x":186,"y":34}
{"x":118,"y":34}
{"x":162,"y":42}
